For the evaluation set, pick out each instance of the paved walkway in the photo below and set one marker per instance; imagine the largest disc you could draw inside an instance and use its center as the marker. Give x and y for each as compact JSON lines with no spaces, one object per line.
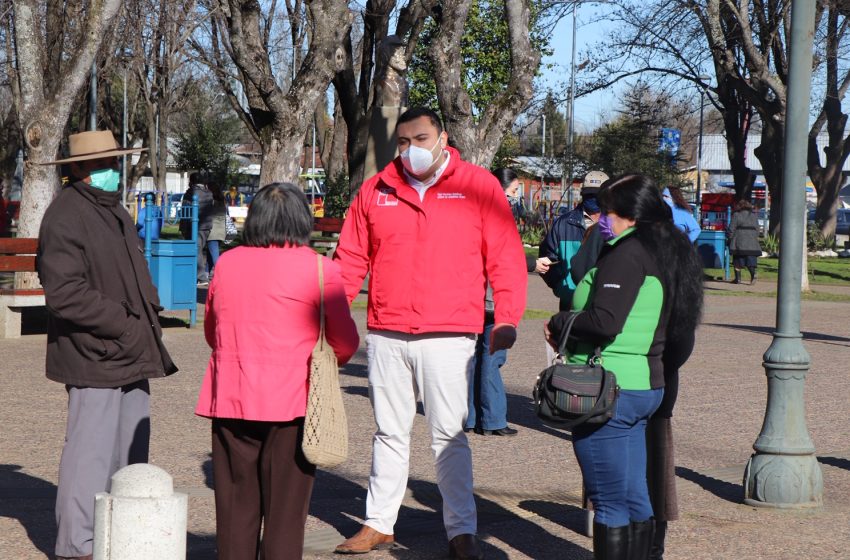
{"x":527,"y":486}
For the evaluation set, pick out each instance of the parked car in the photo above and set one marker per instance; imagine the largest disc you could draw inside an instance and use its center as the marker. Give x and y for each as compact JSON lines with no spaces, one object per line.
{"x":842,"y":220}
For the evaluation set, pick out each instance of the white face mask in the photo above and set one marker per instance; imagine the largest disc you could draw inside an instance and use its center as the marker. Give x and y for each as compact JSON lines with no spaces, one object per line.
{"x":418,"y":160}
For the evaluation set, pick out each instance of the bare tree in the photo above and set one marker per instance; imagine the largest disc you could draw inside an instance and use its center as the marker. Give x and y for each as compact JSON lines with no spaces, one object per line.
{"x":354,"y":81}
{"x":478,"y":136}
{"x":157,"y":33}
{"x":53,"y":46}
{"x":828,"y":177}
{"x":239,"y":48}
{"x":744,"y":43}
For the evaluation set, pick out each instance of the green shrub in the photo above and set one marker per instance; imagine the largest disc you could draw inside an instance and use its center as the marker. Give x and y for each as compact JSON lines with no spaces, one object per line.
{"x":336,"y":196}
{"x":817,"y":241}
{"x":770,"y":244}
{"x":533,"y":235}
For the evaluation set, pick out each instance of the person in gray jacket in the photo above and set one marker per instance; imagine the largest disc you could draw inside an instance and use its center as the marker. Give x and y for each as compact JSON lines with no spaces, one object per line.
{"x":198,"y":186}
{"x":743,"y":236}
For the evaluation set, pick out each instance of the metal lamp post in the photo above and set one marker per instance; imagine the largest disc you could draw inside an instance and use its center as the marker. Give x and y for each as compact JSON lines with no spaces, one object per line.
{"x":784,"y":471}
{"x":543,"y":155}
{"x":93,"y":97}
{"x":703,"y":81}
{"x":124,"y":141}
{"x":572,"y":106}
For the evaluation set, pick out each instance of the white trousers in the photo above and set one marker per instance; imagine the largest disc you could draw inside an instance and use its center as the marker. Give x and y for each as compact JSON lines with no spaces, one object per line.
{"x":436,"y":368}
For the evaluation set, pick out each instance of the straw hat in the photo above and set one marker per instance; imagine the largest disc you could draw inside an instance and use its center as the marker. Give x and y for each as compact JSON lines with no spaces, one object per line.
{"x":93,"y":144}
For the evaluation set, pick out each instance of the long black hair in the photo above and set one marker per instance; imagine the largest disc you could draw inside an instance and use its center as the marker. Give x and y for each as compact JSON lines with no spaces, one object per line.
{"x":638,"y":198}
{"x":505,"y":176}
{"x":279,"y":215}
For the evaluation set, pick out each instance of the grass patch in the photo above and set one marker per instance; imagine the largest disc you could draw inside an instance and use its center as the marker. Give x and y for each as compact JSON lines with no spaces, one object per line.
{"x":821,"y":271}
{"x":806,"y":296}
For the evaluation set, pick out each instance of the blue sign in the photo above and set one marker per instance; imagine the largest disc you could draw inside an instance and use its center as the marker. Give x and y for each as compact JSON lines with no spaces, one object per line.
{"x":670,"y":140}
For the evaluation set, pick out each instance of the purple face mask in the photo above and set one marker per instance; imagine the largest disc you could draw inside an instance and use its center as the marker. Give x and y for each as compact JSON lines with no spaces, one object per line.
{"x":605,"y":228}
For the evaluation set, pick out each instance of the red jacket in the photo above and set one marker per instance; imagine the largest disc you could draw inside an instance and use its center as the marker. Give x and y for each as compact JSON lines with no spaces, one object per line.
{"x":429,"y":260}
{"x":262,"y":321}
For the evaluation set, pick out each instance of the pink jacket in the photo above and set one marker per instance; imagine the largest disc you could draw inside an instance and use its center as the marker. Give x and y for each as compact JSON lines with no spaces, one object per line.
{"x":262,"y":322}
{"x":429,"y":261}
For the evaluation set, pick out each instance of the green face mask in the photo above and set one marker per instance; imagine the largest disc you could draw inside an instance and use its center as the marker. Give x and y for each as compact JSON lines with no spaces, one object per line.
{"x":105,"y":179}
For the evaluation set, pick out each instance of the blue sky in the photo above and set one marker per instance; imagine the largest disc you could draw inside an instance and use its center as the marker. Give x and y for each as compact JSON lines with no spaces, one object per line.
{"x":590,"y":111}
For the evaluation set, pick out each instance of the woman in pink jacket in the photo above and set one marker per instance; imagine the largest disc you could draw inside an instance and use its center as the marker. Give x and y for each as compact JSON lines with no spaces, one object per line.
{"x":262,"y":322}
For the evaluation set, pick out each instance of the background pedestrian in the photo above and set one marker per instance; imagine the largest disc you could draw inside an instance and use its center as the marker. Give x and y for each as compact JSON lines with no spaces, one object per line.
{"x":743,"y":236}
{"x":488,"y":405}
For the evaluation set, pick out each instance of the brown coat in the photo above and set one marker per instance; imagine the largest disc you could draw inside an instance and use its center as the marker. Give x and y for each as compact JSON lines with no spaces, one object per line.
{"x":102,"y":329}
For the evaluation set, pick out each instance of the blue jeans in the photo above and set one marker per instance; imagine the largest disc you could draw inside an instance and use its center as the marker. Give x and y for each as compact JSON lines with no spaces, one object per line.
{"x":212,"y":249}
{"x":612,"y":458}
{"x":488,"y":406}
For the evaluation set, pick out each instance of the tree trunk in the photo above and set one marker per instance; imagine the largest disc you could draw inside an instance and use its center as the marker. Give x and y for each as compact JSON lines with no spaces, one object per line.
{"x":281,"y":160}
{"x":771,"y":155}
{"x":46,"y":96}
{"x":478,"y":137}
{"x":827,"y":184}
{"x":281,"y":119}
{"x":335,"y":163}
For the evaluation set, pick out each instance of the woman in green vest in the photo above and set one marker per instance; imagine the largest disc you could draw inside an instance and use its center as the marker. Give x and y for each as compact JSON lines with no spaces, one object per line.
{"x":647,"y":283}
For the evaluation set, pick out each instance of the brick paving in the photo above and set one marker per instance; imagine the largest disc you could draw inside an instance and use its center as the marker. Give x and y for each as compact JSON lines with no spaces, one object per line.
{"x":527,"y":486}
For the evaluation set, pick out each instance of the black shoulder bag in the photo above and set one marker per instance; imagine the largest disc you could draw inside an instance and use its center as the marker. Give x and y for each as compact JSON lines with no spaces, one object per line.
{"x":568,"y":395}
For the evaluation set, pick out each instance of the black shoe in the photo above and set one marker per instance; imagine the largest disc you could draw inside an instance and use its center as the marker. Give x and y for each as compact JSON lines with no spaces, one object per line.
{"x":467,"y":430}
{"x":465,"y":547}
{"x":506,"y":431}
{"x":610,"y":543}
{"x":640,"y":539}
{"x":657,"y":550}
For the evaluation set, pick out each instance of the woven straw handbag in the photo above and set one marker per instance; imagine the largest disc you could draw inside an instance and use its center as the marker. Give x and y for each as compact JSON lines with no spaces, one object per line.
{"x":325,"y":441}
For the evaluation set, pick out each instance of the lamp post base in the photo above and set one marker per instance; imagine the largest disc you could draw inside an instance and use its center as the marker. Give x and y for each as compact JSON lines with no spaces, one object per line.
{"x":783,"y":481}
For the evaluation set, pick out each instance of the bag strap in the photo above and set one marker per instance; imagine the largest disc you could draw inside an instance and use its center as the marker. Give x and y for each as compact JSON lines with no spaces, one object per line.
{"x":321,"y":301}
{"x":562,"y":344}
{"x":598,"y":406}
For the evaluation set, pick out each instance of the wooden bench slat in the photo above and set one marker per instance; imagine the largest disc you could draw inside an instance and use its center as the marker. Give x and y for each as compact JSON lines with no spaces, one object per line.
{"x":17,"y":263}
{"x":18,"y":245}
{"x":13,"y":292}
{"x":331,"y":225}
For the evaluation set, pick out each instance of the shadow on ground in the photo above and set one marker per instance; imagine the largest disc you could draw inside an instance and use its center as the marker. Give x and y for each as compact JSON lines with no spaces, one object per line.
{"x":807,"y":335}
{"x":728,"y":491}
{"x":22,"y":497}
{"x":838,"y":462}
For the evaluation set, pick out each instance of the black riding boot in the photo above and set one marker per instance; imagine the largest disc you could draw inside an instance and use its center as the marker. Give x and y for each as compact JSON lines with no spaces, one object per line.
{"x":657,"y":550}
{"x":737,"y":279}
{"x":752,"y":270}
{"x":610,"y":543}
{"x":640,"y":539}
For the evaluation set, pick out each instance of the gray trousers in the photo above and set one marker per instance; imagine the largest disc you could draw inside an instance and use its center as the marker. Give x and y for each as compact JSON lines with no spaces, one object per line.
{"x":107,"y":429}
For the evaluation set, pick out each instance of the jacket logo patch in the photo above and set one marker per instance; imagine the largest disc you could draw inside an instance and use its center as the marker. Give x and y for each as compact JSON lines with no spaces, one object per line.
{"x":387,"y":197}
{"x":444,"y":195}
{"x":616,"y":286}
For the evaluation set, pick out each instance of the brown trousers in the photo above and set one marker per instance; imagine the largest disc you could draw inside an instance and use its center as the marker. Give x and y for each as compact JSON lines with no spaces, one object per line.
{"x":261,"y":477}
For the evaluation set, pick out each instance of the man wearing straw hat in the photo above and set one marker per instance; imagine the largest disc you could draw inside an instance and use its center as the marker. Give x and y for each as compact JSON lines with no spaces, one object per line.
{"x":103,"y":335}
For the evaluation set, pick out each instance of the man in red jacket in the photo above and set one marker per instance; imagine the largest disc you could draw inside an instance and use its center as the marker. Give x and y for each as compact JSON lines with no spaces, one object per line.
{"x":430,"y":229}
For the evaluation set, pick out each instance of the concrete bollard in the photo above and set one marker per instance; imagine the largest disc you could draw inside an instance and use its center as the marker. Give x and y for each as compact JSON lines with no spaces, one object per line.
{"x":141,"y":518}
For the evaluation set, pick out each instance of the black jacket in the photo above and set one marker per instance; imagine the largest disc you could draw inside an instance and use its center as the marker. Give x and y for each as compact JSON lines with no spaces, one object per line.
{"x":103,"y":329}
{"x":205,"y":209}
